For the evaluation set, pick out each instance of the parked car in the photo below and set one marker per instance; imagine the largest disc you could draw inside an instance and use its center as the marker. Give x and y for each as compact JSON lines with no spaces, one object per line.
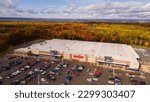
{"x":8,"y":76}
{"x":38,"y":70}
{"x":44,"y":72}
{"x":64,"y":64}
{"x":6,"y":67}
{"x":1,"y":77}
{"x":52,"y":78}
{"x":136,"y":82}
{"x":31,"y":73}
{"x":15,"y":63}
{"x":19,"y":67}
{"x":79,"y":68}
{"x":54,"y":72}
{"x":75,"y":73}
{"x":142,"y":82}
{"x":16,"y":72}
{"x":44,"y":80}
{"x":75,"y":67}
{"x":114,"y":77}
{"x":97,"y":74}
{"x":23,"y":82}
{"x":110,"y":70}
{"x":63,"y":83}
{"x":89,"y":80}
{"x":22,"y":69}
{"x":15,"y":82}
{"x":68,"y":78}
{"x":111,"y":82}
{"x":131,"y":76}
{"x":27,"y":66}
{"x":57,"y":68}
{"x":118,"y":83}
{"x":95,"y":79}
{"x":52,"y":62}
{"x":67,"y":71}
{"x":46,"y":65}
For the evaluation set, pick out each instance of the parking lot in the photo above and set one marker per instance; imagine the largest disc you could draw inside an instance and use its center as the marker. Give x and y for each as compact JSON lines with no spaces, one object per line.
{"x":34,"y":71}
{"x":144,"y":55}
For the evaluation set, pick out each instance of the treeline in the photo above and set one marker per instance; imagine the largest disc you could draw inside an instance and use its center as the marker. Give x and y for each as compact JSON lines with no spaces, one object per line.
{"x":14,"y":33}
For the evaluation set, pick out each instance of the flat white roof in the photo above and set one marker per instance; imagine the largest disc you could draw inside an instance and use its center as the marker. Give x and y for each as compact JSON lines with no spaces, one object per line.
{"x":92,"y":49}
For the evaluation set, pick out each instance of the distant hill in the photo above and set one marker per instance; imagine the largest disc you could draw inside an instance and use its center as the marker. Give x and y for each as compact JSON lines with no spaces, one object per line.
{"x":76,"y":20}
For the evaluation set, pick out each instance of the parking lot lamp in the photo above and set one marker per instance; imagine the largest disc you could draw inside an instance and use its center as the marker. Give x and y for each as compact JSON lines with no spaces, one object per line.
{"x":63,"y":58}
{"x":113,"y":69}
{"x":38,"y":79}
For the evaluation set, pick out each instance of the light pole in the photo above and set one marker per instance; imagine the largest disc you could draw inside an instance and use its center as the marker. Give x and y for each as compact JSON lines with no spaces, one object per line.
{"x":113,"y":70}
{"x":114,"y":74}
{"x":63,"y":58}
{"x":38,"y":79}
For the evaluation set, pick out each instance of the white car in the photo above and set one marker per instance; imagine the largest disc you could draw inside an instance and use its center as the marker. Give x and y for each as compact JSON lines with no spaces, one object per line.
{"x":52,"y":62}
{"x":80,"y":68}
{"x":91,"y":74}
{"x":64,"y":65}
{"x":89,"y":79}
{"x":43,"y":73}
{"x":95,"y":79}
{"x":43,"y":80}
{"x":131,"y":76}
{"x":111,"y":82}
{"x":23,"y":82}
{"x":63,"y":84}
{"x":51,"y":72}
{"x":57,"y":68}
{"x":38,"y":70}
{"x":1,"y":78}
{"x":27,"y":67}
{"x":16,"y":72}
{"x":31,"y":72}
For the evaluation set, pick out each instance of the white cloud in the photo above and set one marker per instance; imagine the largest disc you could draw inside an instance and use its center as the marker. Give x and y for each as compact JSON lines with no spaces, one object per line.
{"x":49,"y":10}
{"x":114,"y":9}
{"x":8,"y":4}
{"x":7,"y":7}
{"x":92,"y":10}
{"x":10,"y":8}
{"x":69,"y":9}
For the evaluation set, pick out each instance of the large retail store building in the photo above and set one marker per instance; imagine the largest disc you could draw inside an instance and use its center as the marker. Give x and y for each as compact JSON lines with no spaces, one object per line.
{"x":93,"y":52}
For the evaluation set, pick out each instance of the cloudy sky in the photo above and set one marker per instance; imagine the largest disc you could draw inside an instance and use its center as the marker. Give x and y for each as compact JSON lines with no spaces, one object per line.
{"x":100,"y":9}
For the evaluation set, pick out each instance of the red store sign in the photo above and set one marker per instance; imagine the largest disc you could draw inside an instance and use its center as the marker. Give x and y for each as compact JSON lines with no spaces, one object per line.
{"x":78,"y":56}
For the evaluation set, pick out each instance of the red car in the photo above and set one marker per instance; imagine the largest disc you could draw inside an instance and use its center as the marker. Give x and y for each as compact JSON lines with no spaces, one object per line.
{"x":97,"y":74}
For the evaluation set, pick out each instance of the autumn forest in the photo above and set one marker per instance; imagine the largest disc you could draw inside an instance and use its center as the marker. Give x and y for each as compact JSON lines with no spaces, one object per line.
{"x":15,"y":32}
